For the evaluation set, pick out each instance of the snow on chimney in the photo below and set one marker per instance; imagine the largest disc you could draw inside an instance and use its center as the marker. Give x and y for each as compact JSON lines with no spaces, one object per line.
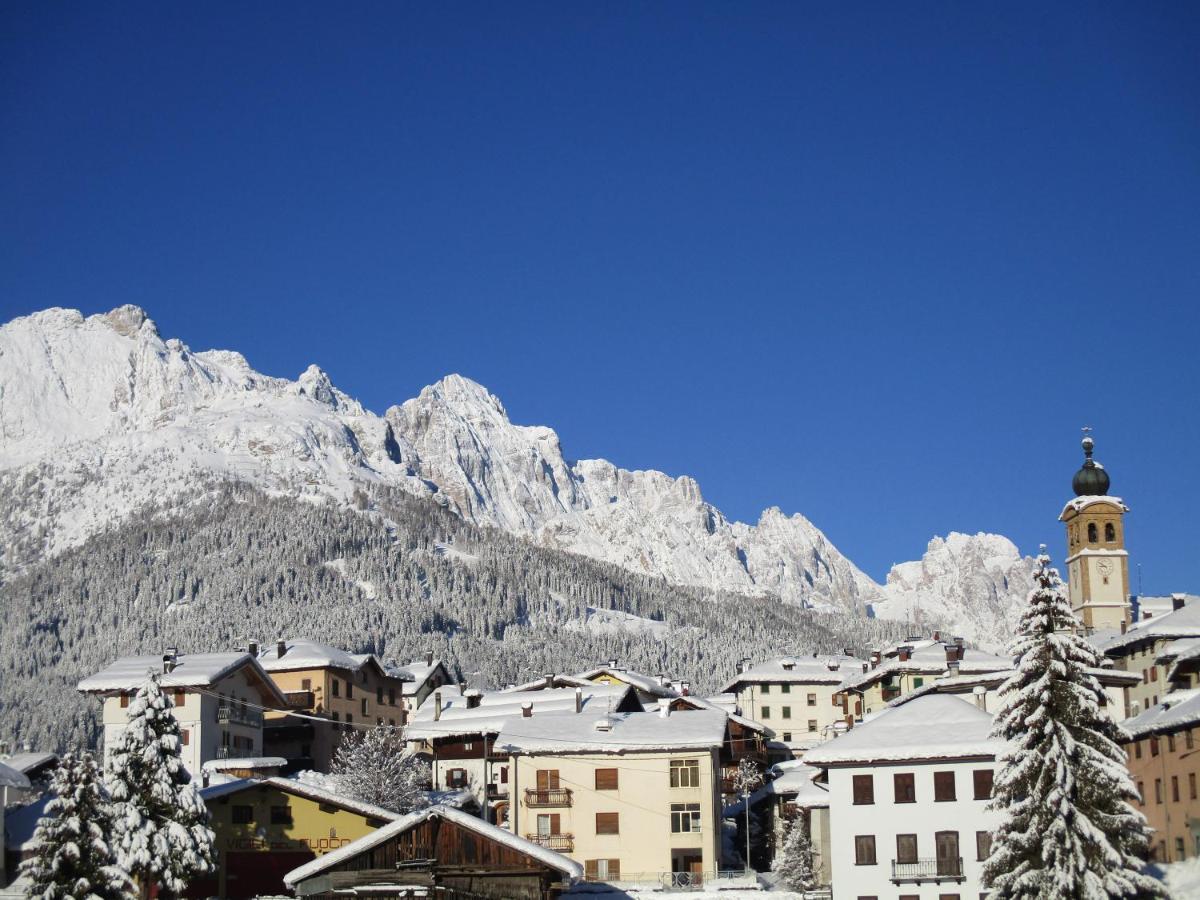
{"x":1177,"y":601}
{"x":685,"y":688}
{"x":664,"y":708}
{"x":437,"y":705}
{"x":952,"y":667}
{"x":980,"y":693}
{"x":170,"y":660}
{"x":875,"y":657}
{"x":474,"y":698}
{"x":788,"y":663}
{"x":527,"y":709}
{"x":549,"y":680}
{"x":865,"y":668}
{"x":904,"y":653}
{"x":254,"y":649}
{"x":280,"y":648}
{"x":578,"y":700}
{"x":612,"y":663}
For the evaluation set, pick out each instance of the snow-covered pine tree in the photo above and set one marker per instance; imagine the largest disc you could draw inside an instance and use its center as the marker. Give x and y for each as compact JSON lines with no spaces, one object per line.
{"x":160,"y":823}
{"x":1068,"y":829}
{"x":794,"y":862}
{"x":74,"y":860}
{"x":373,"y":765}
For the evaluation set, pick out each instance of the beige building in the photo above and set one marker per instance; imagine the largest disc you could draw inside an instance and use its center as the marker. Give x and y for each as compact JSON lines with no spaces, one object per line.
{"x":794,"y":696}
{"x":1147,"y":649}
{"x":1097,"y":563}
{"x":217,"y":697}
{"x":633,"y":797}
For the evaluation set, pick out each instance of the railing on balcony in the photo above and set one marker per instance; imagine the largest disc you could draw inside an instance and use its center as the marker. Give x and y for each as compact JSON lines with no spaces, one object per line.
{"x":238,"y":715}
{"x":548,"y":798}
{"x":928,"y":870}
{"x":300,"y":699}
{"x":563,"y":843}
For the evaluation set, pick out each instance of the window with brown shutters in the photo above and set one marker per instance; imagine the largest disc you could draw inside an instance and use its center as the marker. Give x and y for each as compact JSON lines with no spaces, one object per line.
{"x":864,"y":850}
{"x":608,"y":823}
{"x":124,"y":701}
{"x":943,"y":786}
{"x":864,"y":790}
{"x":983,"y":845}
{"x":906,"y":848}
{"x":602,"y":869}
{"x":547,"y":780}
{"x":185,"y":736}
{"x":983,"y":783}
{"x":180,"y":698}
{"x":606,"y":779}
{"x":906,"y":787}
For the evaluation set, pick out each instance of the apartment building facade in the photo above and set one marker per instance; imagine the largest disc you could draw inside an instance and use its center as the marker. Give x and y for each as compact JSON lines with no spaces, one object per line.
{"x":908,"y":796}
{"x":217,"y":698}
{"x":632,"y":797}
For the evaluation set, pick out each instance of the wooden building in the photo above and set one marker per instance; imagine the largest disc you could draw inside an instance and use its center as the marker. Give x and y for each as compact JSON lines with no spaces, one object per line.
{"x":438,"y":852}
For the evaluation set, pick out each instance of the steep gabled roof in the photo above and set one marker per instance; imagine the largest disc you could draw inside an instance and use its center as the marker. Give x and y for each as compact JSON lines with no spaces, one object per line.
{"x":645,"y":683}
{"x":192,"y":670}
{"x":624,"y":732}
{"x":1178,"y":710}
{"x":1180,"y":623}
{"x":826,"y":668}
{"x":300,"y":789}
{"x":301,"y":653}
{"x":497,"y":708}
{"x":569,"y":868}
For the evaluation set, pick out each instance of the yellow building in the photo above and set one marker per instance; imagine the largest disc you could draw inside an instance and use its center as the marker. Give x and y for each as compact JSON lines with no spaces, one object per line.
{"x":1097,"y":563}
{"x":633,"y":797}
{"x":264,"y":829}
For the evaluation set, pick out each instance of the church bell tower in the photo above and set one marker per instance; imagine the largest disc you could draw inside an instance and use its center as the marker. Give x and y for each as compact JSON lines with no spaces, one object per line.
{"x":1097,"y":563}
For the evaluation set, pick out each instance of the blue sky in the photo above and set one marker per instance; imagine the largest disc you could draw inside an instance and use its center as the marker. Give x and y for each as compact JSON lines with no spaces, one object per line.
{"x":876,"y":264}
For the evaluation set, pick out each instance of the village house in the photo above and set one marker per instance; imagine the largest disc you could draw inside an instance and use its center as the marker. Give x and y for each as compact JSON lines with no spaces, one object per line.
{"x":908,"y":796}
{"x":1148,"y":648}
{"x":419,"y":679}
{"x":790,"y":793}
{"x":265,"y":828}
{"x":634,"y":797}
{"x":438,"y":852}
{"x":793,"y":696}
{"x":218,"y":700}
{"x":322,"y":681}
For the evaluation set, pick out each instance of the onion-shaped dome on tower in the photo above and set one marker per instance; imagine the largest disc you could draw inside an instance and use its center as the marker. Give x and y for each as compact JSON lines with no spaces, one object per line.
{"x":1091,"y":480}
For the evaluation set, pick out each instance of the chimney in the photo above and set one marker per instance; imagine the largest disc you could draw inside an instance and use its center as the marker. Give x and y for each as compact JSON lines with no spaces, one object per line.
{"x":549,"y":680}
{"x":875,"y":657}
{"x":788,"y":663}
{"x":612,"y":663}
{"x":664,"y":708}
{"x":527,"y":709}
{"x":904,"y":653}
{"x":437,"y":705}
{"x":170,"y":660}
{"x":253,"y":650}
{"x":1177,"y":601}
{"x":280,"y":648}
{"x":474,"y":698}
{"x":662,"y":679}
{"x":429,"y":657}
{"x":952,"y":667}
{"x":865,"y":668}
{"x":578,"y":700}
{"x":685,"y":688}
{"x":738,"y":668}
{"x":937,"y":635}
{"x":951,"y":653}
{"x":980,"y":693}
{"x":1124,"y":625}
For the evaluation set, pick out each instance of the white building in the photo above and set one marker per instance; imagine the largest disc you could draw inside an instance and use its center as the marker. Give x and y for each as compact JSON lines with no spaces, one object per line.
{"x":217,"y":698}
{"x":908,"y":791}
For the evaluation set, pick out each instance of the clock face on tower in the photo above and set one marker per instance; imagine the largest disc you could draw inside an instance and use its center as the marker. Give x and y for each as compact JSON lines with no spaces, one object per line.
{"x":1104,"y":567}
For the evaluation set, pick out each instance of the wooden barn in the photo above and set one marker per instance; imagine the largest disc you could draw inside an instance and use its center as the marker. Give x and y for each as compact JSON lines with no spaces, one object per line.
{"x":439,"y":852}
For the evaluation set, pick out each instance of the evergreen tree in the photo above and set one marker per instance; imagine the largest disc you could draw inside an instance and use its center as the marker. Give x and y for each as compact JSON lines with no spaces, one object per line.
{"x":161,"y":822}
{"x":1068,"y":829}
{"x":73,"y":860}
{"x":374,"y":766}
{"x":795,"y":863}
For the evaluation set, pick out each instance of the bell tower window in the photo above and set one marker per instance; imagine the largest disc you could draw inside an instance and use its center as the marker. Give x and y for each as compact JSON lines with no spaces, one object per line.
{"x":1093,"y":537}
{"x":1110,"y":532}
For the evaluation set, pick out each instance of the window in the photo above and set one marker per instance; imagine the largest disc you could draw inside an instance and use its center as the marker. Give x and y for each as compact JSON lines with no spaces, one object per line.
{"x":906,"y":787}
{"x":1158,"y":790}
{"x":983,"y":783}
{"x":547,"y":780}
{"x":336,"y":718}
{"x":812,"y":699}
{"x":1192,"y":785}
{"x":787,"y":737}
{"x":548,"y":824}
{"x":983,"y":845}
{"x":349,"y":720}
{"x":242,"y":815}
{"x":1093,"y":535}
{"x":124,"y":701}
{"x":906,"y":848}
{"x":787,"y":712}
{"x":864,"y":850}
{"x":766,"y":712}
{"x":379,"y":694}
{"x":337,"y":688}
{"x":1188,"y":740}
{"x":1154,"y":745}
{"x":349,"y":689}
{"x":864,"y":790}
{"x":281,"y":815}
{"x":456,"y":778}
{"x":812,"y":724}
{"x":766,"y":689}
{"x":608,"y":823}
{"x":1179,"y":851}
{"x":1137,"y":749}
{"x":1110,"y":533}
{"x":185,"y":736}
{"x":306,"y":684}
{"x":602,"y":869}
{"x":918,"y":681}
{"x":364,"y":707}
{"x":785,"y":688}
{"x":685,"y":773}
{"x":391,"y":696}
{"x":180,"y":698}
{"x":1141,"y":792}
{"x":1174,"y":788}
{"x":943,"y":787}
{"x":1170,"y":743}
{"x":606,"y":779}
{"x":685,"y":817}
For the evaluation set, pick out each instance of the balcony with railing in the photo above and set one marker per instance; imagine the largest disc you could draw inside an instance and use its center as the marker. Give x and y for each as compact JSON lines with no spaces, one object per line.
{"x":557,"y":797}
{"x":300,"y":699}
{"x":563,"y":843}
{"x":935,"y":870}
{"x":239,"y":715}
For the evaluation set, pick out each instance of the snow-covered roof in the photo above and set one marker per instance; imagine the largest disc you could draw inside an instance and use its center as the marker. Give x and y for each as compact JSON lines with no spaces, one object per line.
{"x":936,"y":726}
{"x":964,"y":684}
{"x":625,"y":732}
{"x":794,"y":783}
{"x":831,"y":668}
{"x":929,"y":659}
{"x":417,"y":672}
{"x":556,"y":681}
{"x":1181,"y":623}
{"x":496,"y":708}
{"x":300,"y":789}
{"x":1179,"y":709}
{"x":1078,"y":504}
{"x":28,"y":762}
{"x":302,"y":653}
{"x":13,"y":778}
{"x":246,"y":762}
{"x":21,"y":821}
{"x":646,"y":683}
{"x":191,"y":670}
{"x":702,"y":703}
{"x":571,"y":869}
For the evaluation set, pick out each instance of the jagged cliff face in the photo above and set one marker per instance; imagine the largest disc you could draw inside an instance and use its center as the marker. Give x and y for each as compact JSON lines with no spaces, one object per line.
{"x":100,"y":416}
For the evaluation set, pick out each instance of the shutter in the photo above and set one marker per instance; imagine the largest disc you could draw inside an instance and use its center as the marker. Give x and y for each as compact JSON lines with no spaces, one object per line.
{"x":553,"y":779}
{"x":555,"y":823}
{"x":614,"y":869}
{"x":543,"y":779}
{"x":606,"y":779}
{"x":591,"y":870}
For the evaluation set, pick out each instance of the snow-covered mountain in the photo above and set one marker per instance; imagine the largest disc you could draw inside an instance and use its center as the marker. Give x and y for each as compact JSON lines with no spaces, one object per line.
{"x":100,"y":416}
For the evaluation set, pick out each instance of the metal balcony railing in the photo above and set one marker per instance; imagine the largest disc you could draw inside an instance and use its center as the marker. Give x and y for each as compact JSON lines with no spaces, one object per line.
{"x":557,"y":797}
{"x":238,"y":715}
{"x":563,"y":843}
{"x":950,"y":869}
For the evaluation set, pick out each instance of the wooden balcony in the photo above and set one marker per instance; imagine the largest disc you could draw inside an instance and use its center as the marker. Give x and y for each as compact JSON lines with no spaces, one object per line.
{"x":300,"y":699}
{"x":563,"y":843}
{"x":558,"y":797}
{"x":934,"y":870}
